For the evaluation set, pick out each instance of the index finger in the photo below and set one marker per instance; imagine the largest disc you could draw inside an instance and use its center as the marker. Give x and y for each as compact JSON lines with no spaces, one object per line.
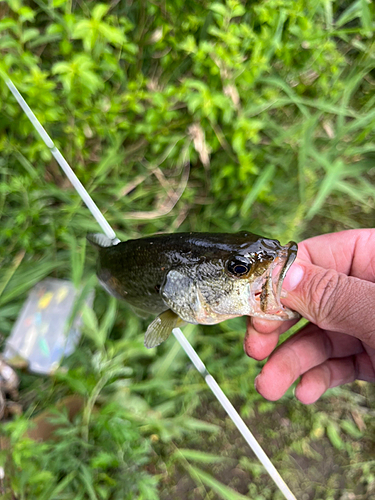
{"x":262,"y":336}
{"x":343,"y":251}
{"x":346,"y":252}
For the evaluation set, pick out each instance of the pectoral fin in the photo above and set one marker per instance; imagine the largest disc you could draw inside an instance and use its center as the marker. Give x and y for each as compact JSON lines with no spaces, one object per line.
{"x":180,"y":294}
{"x":160,"y":329}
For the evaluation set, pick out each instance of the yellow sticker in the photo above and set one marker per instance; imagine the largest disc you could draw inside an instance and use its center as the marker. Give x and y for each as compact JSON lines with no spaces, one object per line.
{"x":61,"y":294}
{"x":45,"y":300}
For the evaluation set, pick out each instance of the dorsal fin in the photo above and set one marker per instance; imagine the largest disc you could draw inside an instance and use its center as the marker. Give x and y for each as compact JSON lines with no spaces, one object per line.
{"x":100,"y":240}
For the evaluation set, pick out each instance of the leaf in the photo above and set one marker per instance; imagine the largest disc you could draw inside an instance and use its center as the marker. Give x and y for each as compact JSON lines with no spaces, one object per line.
{"x":26,"y":14}
{"x":219,"y":8}
{"x":83,"y":296}
{"x":91,"y":327}
{"x":82,"y":29}
{"x":366,"y":17}
{"x":53,"y":491}
{"x":45,"y":39}
{"x":87,"y":479}
{"x":219,"y":488}
{"x":259,"y":184}
{"x":198,"y":456}
{"x":60,"y":67}
{"x":238,"y":10}
{"x":99,"y":11}
{"x":25,"y":277}
{"x":289,"y":92}
{"x":335,"y":172}
{"x":200,"y":425}
{"x":11,"y":270}
{"x":354,"y":10}
{"x":333,"y":434}
{"x":29,"y":34}
{"x":351,"y":429}
{"x":113,"y":35}
{"x":90,"y":80}
{"x":104,"y":460}
{"x":108,"y":320}
{"x":357,"y":193}
{"x":361,"y":122}
{"x":8,"y":24}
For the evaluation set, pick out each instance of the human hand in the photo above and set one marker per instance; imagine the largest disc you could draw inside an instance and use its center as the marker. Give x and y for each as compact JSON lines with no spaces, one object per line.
{"x":332,"y":284}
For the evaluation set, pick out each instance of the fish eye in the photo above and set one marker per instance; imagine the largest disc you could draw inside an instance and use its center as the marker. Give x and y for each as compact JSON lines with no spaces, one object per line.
{"x":239,"y":266}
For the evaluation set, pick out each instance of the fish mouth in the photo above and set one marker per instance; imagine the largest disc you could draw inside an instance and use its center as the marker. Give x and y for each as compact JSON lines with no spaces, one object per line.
{"x":269,"y":298}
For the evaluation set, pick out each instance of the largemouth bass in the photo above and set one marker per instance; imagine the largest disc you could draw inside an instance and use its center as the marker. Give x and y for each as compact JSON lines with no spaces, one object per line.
{"x":199,"y":278}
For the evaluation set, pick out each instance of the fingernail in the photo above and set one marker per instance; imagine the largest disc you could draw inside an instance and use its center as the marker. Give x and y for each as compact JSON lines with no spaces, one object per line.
{"x":255,"y":382}
{"x":293,"y":277}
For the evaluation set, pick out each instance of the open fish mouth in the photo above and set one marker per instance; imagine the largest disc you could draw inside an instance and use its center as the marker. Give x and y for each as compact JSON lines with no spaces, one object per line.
{"x":269,"y":297}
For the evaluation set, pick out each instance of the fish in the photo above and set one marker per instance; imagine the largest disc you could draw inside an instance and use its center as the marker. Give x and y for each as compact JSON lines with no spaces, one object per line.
{"x":198,"y":278}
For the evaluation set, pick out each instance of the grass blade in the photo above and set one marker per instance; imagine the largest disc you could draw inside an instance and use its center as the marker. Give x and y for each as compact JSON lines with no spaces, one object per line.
{"x":259,"y":184}
{"x":52,"y":493}
{"x":353,"y":11}
{"x":12,"y":269}
{"x":199,"y":456}
{"x":327,"y":185}
{"x":25,"y":277}
{"x":220,"y":489}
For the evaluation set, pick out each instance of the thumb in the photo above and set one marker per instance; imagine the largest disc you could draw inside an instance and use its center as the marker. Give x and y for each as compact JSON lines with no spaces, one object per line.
{"x":332,"y":300}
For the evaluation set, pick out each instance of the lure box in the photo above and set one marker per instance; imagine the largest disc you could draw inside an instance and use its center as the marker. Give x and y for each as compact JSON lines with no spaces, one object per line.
{"x":45,"y":330}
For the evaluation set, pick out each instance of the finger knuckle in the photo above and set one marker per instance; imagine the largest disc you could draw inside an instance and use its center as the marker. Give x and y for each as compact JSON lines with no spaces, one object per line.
{"x":324,"y":294}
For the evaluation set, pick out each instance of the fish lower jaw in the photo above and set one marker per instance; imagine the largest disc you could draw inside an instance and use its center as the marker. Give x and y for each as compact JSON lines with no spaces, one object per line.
{"x":265,"y":308}
{"x":283,"y":314}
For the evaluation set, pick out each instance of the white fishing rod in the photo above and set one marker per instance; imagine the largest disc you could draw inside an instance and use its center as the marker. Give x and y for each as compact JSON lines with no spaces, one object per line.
{"x":185,"y":344}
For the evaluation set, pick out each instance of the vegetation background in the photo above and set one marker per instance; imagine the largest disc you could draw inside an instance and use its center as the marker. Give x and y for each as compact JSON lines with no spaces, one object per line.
{"x":183,"y":115}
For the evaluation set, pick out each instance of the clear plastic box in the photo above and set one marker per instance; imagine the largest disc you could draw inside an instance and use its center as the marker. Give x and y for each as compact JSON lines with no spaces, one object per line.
{"x":40,"y":335}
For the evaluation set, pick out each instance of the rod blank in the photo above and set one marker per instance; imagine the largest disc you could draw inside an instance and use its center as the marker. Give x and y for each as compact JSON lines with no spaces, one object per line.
{"x":99,"y":217}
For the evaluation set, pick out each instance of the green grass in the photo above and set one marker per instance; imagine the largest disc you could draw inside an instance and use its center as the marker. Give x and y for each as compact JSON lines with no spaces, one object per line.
{"x":280,"y":95}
